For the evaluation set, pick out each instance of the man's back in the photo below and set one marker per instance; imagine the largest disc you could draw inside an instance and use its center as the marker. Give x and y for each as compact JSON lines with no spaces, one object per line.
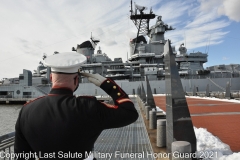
{"x":61,"y":123}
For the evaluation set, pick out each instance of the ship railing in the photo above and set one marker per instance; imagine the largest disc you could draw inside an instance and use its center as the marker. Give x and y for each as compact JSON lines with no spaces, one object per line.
{"x":236,"y":91}
{"x":191,"y":76}
{"x":23,"y":98}
{"x":7,"y":144}
{"x":6,"y":96}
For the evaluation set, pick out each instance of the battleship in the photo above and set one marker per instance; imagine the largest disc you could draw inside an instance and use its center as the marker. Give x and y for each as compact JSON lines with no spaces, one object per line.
{"x":146,"y":59}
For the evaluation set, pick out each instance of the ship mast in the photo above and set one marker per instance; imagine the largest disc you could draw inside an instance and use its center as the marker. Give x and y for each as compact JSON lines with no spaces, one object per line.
{"x":141,"y":20}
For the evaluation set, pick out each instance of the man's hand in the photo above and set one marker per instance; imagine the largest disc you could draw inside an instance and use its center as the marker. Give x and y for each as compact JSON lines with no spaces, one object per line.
{"x":96,"y":79}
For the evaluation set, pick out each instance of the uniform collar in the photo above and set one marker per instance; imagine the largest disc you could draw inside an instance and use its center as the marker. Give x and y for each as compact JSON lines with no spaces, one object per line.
{"x":61,"y":91}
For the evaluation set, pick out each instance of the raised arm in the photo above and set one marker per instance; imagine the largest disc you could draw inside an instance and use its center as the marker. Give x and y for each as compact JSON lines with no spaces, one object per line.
{"x":119,"y":114}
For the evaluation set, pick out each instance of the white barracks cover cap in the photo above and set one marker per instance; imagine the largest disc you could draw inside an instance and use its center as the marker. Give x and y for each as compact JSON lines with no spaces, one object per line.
{"x":65,"y":62}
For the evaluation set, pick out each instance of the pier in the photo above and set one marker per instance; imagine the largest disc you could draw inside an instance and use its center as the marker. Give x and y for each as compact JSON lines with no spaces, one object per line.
{"x":15,"y":100}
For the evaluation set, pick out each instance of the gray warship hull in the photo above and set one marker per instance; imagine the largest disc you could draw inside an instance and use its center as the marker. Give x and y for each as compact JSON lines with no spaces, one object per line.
{"x":158,"y":86}
{"x":18,"y":93}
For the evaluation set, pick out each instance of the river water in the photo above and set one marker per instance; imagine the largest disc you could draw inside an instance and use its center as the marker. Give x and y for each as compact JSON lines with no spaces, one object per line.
{"x":8,"y":117}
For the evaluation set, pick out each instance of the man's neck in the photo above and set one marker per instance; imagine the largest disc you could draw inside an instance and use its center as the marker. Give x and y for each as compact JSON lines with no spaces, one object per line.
{"x":61,"y":86}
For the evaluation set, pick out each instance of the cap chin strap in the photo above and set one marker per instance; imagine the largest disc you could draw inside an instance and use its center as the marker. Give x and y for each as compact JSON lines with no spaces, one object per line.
{"x":75,"y":81}
{"x":76,"y":88}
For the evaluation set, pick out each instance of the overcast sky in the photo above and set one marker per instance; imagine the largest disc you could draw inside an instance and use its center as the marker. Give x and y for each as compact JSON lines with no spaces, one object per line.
{"x":30,"y":28}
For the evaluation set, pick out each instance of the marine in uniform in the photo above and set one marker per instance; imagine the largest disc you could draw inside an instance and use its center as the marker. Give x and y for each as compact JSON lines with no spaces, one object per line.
{"x":60,"y":123}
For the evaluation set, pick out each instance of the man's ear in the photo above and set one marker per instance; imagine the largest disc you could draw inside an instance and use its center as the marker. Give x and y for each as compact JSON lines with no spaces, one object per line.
{"x":51,"y":77}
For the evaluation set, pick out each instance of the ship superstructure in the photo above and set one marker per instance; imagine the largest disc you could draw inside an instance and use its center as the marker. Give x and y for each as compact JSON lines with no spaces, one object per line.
{"x":146,"y":54}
